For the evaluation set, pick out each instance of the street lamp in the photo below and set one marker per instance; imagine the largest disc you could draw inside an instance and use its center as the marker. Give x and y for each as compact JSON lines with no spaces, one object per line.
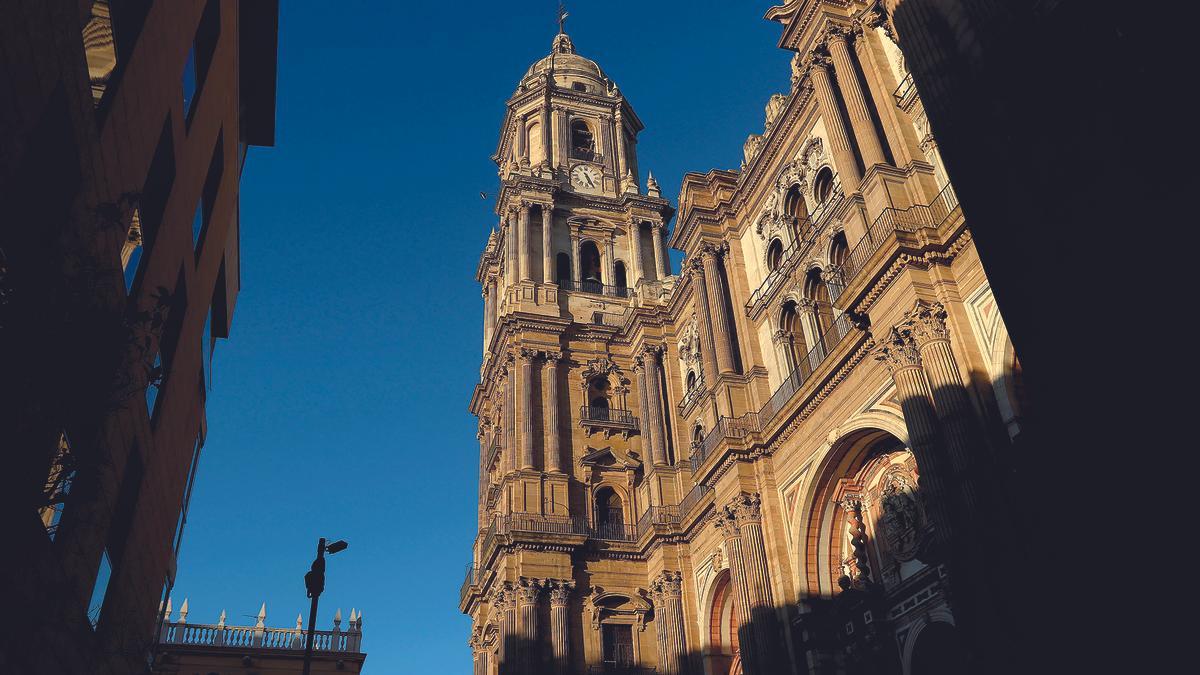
{"x":314,"y":582}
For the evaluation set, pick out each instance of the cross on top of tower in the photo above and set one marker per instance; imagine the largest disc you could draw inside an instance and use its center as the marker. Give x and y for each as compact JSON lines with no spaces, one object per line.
{"x":562,"y":17}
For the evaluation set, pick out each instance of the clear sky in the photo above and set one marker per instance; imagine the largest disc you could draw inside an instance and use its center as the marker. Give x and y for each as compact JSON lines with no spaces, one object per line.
{"x":339,"y":406}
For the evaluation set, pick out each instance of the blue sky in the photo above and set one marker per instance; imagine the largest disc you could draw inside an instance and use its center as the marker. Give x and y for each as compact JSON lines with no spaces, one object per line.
{"x":339,"y":405}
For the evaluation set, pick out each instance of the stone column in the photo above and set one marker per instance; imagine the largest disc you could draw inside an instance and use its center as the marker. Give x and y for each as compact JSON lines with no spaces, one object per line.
{"x":510,"y":420}
{"x":852,"y":94}
{"x":852,"y":505}
{"x":661,"y":262}
{"x":526,"y":412}
{"x":807,"y":309}
{"x":752,"y":651}
{"x":927,"y":322}
{"x":610,"y":262}
{"x":525,"y":248}
{"x":718,"y":310}
{"x":667,"y":593}
{"x":619,"y":159}
{"x":492,"y":306}
{"x":553,"y":460}
{"x":576,"y":274}
{"x":510,"y":248}
{"x":560,"y":598}
{"x":487,"y":315}
{"x":654,"y":392}
{"x":843,"y":153}
{"x":648,"y":436}
{"x":504,"y":604}
{"x":783,"y":352}
{"x":547,"y":246}
{"x":635,"y":252}
{"x":528,"y":591}
{"x":522,"y":139}
{"x":900,"y":355}
{"x":708,"y":350}
{"x":747,"y":510}
{"x":551,"y":139}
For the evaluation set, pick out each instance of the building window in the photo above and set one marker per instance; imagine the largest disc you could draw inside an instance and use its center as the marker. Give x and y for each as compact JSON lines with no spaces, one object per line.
{"x":99,"y":589}
{"x":58,"y":486}
{"x":823,"y":185}
{"x":774,"y":255}
{"x":200,"y":56}
{"x":208,"y":198}
{"x":155,"y":381}
{"x":598,"y":394}
{"x":562,"y":264}
{"x":583,"y":144}
{"x":579,"y":86}
{"x":187,"y":494}
{"x":589,"y":263}
{"x":619,"y":278}
{"x":691,"y":380}
{"x":99,"y":49}
{"x":610,"y":516}
{"x":131,"y":250}
{"x":796,"y":211}
{"x":618,"y":645}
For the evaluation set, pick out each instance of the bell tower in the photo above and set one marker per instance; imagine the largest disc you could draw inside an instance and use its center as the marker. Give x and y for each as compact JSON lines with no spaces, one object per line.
{"x":578,"y":237}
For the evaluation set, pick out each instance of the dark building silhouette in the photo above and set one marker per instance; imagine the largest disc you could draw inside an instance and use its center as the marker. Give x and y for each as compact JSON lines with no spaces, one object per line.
{"x":124,"y":126}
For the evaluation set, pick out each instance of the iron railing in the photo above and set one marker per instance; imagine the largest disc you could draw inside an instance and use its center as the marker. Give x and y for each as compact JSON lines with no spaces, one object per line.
{"x":473,"y":576}
{"x":692,"y":395}
{"x":541,"y":524}
{"x":890,"y":221}
{"x":657,"y":515}
{"x":593,"y":413}
{"x":595,"y":287}
{"x":837,"y":330}
{"x":796,"y":251}
{"x":907,"y":85}
{"x":693,"y":498}
{"x":614,"y":532}
{"x":732,"y":428}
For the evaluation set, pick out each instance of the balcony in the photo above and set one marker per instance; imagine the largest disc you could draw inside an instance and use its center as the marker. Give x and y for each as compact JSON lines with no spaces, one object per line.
{"x":608,"y":420}
{"x":728,"y":428}
{"x":595,"y":288}
{"x":912,"y":220}
{"x":474,"y":575}
{"x":614,"y":532}
{"x":259,"y":636}
{"x":666,"y":516}
{"x":811,"y":228}
{"x":906,"y":93}
{"x":693,"y":395}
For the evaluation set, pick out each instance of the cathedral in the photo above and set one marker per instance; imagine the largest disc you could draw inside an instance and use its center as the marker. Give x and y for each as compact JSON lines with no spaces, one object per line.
{"x":780,"y":457}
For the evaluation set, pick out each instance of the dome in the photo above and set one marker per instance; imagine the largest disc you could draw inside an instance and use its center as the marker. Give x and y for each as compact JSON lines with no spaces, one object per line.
{"x":568,"y":66}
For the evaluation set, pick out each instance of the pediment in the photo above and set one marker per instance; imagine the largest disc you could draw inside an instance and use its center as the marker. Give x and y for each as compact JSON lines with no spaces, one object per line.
{"x":610,"y":458}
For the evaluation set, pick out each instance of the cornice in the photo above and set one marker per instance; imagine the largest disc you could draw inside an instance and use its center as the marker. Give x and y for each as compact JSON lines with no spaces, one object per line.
{"x":931,"y":256}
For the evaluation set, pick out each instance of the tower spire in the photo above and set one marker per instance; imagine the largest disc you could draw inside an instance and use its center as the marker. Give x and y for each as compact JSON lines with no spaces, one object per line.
{"x":562,"y":18}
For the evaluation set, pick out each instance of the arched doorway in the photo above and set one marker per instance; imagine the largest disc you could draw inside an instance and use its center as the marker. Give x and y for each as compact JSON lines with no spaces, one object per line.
{"x":724,"y":652}
{"x":610,"y":514}
{"x":589,"y":267}
{"x":938,"y":651}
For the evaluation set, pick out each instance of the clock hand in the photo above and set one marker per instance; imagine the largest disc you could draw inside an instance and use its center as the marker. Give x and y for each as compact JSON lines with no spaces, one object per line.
{"x":588,"y":177}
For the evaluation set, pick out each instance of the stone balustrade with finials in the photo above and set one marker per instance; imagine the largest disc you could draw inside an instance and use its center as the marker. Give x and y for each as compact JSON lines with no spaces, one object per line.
{"x":259,"y":636}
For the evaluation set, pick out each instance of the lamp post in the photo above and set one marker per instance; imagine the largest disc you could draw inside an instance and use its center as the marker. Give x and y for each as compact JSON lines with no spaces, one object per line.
{"x":314,"y":582}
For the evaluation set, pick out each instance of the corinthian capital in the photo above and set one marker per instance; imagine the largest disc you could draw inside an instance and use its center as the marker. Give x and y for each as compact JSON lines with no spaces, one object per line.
{"x":927,"y":320}
{"x":897,"y":350}
{"x":552,"y":357}
{"x":528,"y":355}
{"x":747,"y":508}
{"x":726,"y":523}
{"x":560,"y":591}
{"x":528,"y":590}
{"x":837,"y":32}
{"x":667,"y":584}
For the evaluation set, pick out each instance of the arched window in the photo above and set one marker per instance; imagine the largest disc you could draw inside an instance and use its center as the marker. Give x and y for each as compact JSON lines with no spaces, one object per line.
{"x":537,"y":151}
{"x":598,"y":395}
{"x":816,"y":290}
{"x":583,"y":144}
{"x":610,"y":516}
{"x":823,"y":185}
{"x":691,"y":380}
{"x":774,"y":255}
{"x":795,"y":349}
{"x":562,"y":264}
{"x":589,"y":266}
{"x":619,"y":279}
{"x":796,"y":211}
{"x":697,"y":435}
{"x":723,"y":627}
{"x":839,"y":250}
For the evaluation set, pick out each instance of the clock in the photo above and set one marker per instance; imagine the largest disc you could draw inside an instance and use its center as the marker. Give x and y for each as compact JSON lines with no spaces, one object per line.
{"x":586,"y":177}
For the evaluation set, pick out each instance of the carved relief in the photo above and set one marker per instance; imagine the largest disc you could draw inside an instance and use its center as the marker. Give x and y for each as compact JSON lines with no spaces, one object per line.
{"x":901,"y":519}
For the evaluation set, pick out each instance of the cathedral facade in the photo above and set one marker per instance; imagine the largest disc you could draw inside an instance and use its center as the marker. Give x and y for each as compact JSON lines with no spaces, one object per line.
{"x":777,"y":459}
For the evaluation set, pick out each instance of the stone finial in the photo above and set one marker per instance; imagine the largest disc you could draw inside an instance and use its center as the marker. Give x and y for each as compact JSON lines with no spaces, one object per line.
{"x":183,"y":611}
{"x":299,"y":621}
{"x":358,"y":623}
{"x":221,"y":620}
{"x":262,"y":617}
{"x":337,"y":619}
{"x":652,"y":188}
{"x":167,"y":613}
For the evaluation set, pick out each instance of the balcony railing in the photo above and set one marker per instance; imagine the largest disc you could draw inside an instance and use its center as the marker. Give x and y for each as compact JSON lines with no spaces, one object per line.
{"x":473,"y":577}
{"x":909,"y":220}
{"x":906,"y":89}
{"x":692,"y":395}
{"x":592,"y":413}
{"x":839,"y":329}
{"x":657,"y":515}
{"x":810,"y":229}
{"x":595,"y":287}
{"x":260,"y":637}
{"x":693,"y":499}
{"x":732,"y":428}
{"x":541,"y":524}
{"x":614,"y":532}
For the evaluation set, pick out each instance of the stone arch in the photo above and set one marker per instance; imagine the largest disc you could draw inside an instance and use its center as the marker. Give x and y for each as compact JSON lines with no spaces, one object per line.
{"x":938,"y":625}
{"x":719,"y":626}
{"x":847,"y":452}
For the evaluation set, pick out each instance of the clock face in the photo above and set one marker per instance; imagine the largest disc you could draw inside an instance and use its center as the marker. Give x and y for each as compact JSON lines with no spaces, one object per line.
{"x":586,"y":177}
